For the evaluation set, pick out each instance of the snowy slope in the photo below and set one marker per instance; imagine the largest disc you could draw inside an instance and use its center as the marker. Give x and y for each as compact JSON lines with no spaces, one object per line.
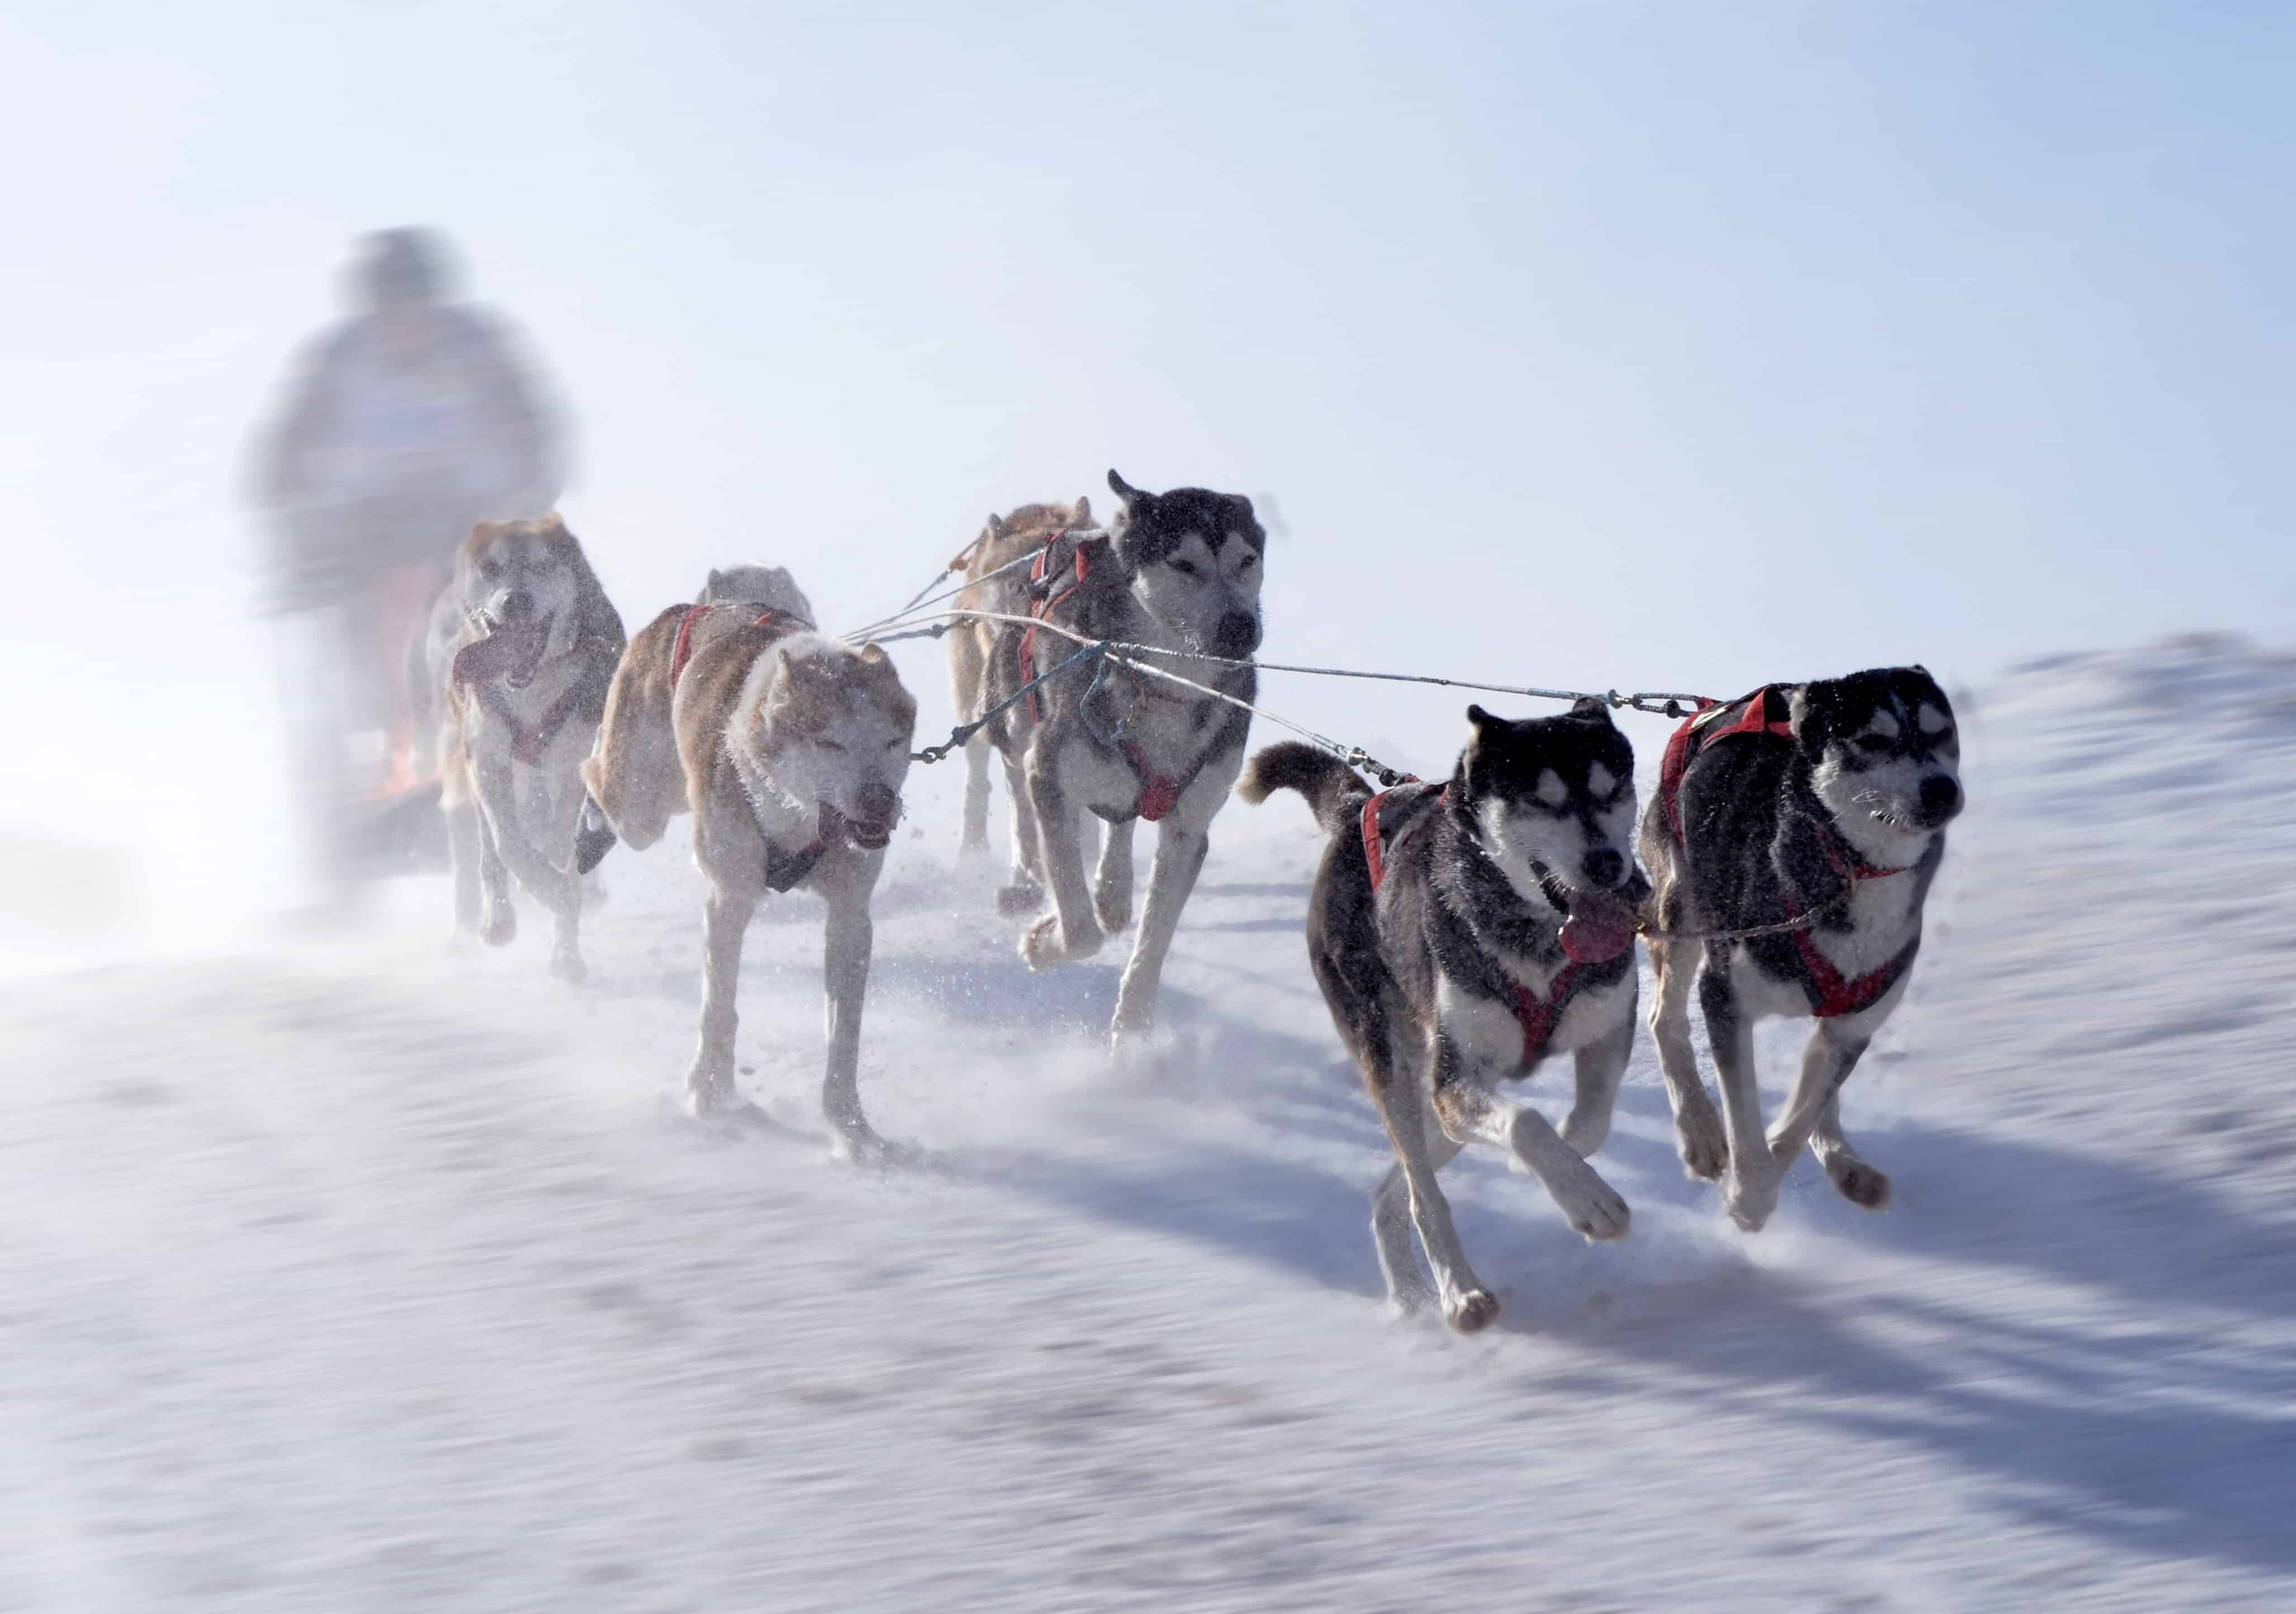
{"x":368,"y":1277}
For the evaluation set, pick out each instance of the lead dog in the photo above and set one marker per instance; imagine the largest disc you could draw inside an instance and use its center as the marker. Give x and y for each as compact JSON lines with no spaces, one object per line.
{"x":635,"y":781}
{"x":1180,"y":571}
{"x":519,"y":648}
{"x":1817,"y":813}
{"x":1463,"y":934}
{"x":793,"y":748}
{"x":995,"y":581}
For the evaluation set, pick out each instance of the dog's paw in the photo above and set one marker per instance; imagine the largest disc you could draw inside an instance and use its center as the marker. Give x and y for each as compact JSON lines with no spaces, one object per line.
{"x":567,"y":965}
{"x":1859,"y":1183}
{"x":1473,"y":1310}
{"x":1021,"y":897}
{"x":1047,"y":945}
{"x":1112,"y":910}
{"x":1403,"y":1304}
{"x":1590,"y":1205}
{"x":1698,"y":1138}
{"x":1750,"y":1203}
{"x":500,"y":926}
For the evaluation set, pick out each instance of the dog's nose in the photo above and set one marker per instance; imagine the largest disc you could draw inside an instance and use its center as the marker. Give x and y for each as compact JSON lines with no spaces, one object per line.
{"x":1940,"y":798}
{"x":1238,"y":634}
{"x":513,"y":605}
{"x":879,"y":806}
{"x":1604,"y":865}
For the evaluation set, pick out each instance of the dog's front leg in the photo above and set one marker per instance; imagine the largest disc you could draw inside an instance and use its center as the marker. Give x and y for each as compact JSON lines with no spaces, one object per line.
{"x":564,"y":825}
{"x":1179,"y":858}
{"x":1697,"y":1130}
{"x":847,"y":941}
{"x":1749,"y":1186}
{"x":1812,"y":1115}
{"x":1599,"y":1067}
{"x":1857,"y":1179}
{"x":1470,"y":1112}
{"x":1024,"y":891}
{"x":1069,"y":932}
{"x":557,"y":889}
{"x":725,"y":914}
{"x":1111,"y":890}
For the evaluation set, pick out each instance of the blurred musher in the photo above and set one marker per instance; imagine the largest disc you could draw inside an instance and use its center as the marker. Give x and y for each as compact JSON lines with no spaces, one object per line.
{"x":401,"y":428}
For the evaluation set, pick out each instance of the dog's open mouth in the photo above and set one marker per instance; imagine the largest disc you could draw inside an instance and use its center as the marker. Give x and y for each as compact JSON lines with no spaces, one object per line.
{"x":510,"y":651}
{"x":1598,"y":924}
{"x":869,"y":837}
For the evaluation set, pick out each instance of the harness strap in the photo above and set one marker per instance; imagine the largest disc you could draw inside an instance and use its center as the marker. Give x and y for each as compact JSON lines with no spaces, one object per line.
{"x":1374,"y":842}
{"x":1041,"y":608}
{"x":1536,"y":1016}
{"x":1766,"y":713}
{"x":684,"y":647}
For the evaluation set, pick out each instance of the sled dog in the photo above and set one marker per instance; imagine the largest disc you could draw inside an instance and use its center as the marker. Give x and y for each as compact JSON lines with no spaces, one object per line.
{"x":1179,"y":571}
{"x":1817,"y":809}
{"x":793,"y":748}
{"x":1004,"y":542}
{"x":634,"y":782}
{"x":1463,"y":933}
{"x":519,"y":648}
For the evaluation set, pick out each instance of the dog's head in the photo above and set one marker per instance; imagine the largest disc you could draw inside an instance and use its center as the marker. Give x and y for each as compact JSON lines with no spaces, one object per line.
{"x":1552,"y":798}
{"x":1193,"y":560}
{"x":528,"y":590}
{"x":1884,"y":757}
{"x":1036,"y":522}
{"x":833,"y":730}
{"x":768,"y":586}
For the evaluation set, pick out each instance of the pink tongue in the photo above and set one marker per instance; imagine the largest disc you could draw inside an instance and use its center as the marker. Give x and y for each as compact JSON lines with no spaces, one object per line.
{"x":1598,"y":933}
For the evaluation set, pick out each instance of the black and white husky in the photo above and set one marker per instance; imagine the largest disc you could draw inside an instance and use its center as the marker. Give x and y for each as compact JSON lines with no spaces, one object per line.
{"x":1462,"y":934}
{"x":1815,"y":814}
{"x":1180,"y":573}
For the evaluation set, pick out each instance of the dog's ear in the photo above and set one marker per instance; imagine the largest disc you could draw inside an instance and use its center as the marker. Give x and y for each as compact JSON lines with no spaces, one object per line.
{"x":1483,"y":721}
{"x":1799,"y":712}
{"x":995,"y":526}
{"x":1080,"y":513}
{"x":873,"y":654}
{"x":1592,"y":709}
{"x":715,"y":588}
{"x":1132,"y":497}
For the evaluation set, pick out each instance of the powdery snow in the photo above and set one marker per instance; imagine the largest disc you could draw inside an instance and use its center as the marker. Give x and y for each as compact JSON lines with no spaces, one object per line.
{"x":369,"y":1277}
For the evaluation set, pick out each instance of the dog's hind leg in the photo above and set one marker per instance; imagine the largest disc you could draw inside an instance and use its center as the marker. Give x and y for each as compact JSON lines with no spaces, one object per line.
{"x":1171,"y":877}
{"x":1599,"y":1068}
{"x":1697,"y":1128}
{"x":1854,"y":1177}
{"x":1749,"y":1186}
{"x":1112,"y":889}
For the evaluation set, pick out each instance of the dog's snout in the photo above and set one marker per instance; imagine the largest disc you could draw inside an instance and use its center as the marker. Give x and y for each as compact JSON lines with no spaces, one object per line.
{"x":1238,"y":634}
{"x":1604,"y":865}
{"x":877,"y":806}
{"x":1940,"y":798}
{"x":511,"y":605}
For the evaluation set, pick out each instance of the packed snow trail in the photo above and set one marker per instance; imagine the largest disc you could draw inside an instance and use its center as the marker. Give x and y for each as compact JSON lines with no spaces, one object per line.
{"x":368,"y":1277}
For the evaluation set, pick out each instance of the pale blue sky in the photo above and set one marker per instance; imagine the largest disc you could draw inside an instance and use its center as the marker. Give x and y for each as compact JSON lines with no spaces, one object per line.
{"x":1675,"y":345}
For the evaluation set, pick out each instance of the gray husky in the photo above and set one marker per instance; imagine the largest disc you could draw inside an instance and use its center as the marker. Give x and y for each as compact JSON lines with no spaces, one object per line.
{"x":1179,"y":571}
{"x":1462,"y":934}
{"x":1814,"y":815}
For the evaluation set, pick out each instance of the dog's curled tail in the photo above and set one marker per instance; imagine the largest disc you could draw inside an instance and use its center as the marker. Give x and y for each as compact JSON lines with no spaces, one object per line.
{"x":1335,"y":792}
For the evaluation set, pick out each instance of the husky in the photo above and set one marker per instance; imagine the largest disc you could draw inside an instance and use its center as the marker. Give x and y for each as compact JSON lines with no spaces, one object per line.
{"x":1180,"y":571}
{"x":1004,"y":542}
{"x":793,"y":748}
{"x":1813,"y":816}
{"x":635,"y":782}
{"x":1463,"y":934}
{"x":520,"y":650}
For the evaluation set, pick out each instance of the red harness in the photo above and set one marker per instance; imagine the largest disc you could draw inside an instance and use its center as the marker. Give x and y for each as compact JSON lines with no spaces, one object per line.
{"x":1535,"y":1014}
{"x":1160,"y":793}
{"x":1766,"y":713}
{"x":685,"y":648}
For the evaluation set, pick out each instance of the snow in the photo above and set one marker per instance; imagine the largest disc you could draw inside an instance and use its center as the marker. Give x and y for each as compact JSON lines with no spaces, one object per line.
{"x":364,"y":1275}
